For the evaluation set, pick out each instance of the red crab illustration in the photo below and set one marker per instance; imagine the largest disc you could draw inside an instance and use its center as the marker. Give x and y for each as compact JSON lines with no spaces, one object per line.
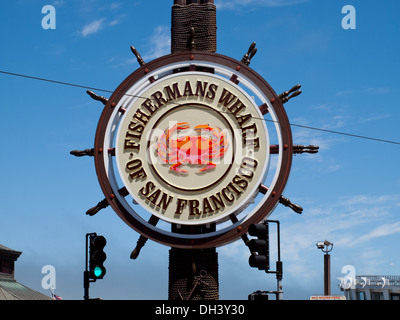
{"x":206,"y":144}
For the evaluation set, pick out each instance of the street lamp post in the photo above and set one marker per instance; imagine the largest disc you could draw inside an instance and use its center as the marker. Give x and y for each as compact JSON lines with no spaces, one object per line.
{"x":326,"y":247}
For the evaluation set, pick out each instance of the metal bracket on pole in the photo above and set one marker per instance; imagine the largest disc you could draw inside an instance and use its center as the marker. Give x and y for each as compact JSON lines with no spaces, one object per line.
{"x":279,"y":265}
{"x":86,"y":279}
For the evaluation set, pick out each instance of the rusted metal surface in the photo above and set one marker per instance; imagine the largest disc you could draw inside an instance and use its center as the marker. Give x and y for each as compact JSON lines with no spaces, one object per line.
{"x":294,"y":92}
{"x":142,"y":239}
{"x":298,"y":149}
{"x":250,"y":54}
{"x":285,"y":201}
{"x":138,"y":56}
{"x":194,"y":26}
{"x":187,"y":2}
{"x":94,"y":96}
{"x":186,"y":282}
{"x":199,"y":281}
{"x":82,"y":153}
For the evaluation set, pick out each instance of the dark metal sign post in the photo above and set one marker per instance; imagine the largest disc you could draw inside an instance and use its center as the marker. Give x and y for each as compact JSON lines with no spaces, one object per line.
{"x":193,"y":274}
{"x":326,"y":247}
{"x":86,"y":278}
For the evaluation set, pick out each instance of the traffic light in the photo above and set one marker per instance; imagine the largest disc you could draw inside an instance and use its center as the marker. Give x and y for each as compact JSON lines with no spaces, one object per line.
{"x":97,"y":257}
{"x":259,"y":247}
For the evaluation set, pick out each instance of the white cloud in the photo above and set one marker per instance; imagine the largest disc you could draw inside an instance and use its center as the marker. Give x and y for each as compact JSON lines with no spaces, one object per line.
{"x":363,"y":91}
{"x":58,"y":3}
{"x":160,"y":43}
{"x":97,"y":25}
{"x":108,"y":7}
{"x":93,"y":27}
{"x":114,"y":22}
{"x":347,"y":222}
{"x":378,"y":90}
{"x":115,"y":5}
{"x":381,"y":231}
{"x":374,"y":118}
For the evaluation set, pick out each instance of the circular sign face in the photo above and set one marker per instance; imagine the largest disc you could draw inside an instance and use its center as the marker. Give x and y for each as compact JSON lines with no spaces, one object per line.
{"x":193,"y":141}
{"x":191,"y":148}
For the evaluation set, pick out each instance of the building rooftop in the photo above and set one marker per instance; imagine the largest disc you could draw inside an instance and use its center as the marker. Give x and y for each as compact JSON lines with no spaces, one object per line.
{"x":7,"y":252}
{"x":372,"y":287}
{"x":10,"y":289}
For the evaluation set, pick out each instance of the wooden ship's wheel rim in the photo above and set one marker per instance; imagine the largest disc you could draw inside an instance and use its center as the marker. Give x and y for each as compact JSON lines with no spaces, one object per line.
{"x":237,"y":72}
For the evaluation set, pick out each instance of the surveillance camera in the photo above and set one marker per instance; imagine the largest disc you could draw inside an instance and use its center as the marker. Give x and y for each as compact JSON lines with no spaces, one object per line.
{"x":320,"y":245}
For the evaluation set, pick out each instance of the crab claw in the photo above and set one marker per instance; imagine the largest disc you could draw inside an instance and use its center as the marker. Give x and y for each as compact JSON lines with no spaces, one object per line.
{"x":209,"y":166}
{"x":176,"y":168}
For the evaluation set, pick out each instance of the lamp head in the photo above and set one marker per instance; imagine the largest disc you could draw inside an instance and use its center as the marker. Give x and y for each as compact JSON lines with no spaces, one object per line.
{"x":325,"y":246}
{"x":320,"y":245}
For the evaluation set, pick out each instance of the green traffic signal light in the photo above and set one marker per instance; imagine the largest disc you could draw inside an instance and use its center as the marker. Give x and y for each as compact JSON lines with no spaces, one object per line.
{"x":97,"y":257}
{"x":99,"y":271}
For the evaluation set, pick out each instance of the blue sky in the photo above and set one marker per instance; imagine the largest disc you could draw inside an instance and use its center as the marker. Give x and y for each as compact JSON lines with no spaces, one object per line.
{"x":350,"y":190}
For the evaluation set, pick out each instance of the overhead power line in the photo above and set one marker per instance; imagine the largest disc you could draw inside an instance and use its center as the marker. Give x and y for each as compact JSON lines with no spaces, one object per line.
{"x":345,"y":134}
{"x":53,"y":81}
{"x":109,"y":91}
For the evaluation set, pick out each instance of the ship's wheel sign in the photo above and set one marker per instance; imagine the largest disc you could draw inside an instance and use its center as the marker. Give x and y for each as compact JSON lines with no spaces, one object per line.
{"x":194,"y":139}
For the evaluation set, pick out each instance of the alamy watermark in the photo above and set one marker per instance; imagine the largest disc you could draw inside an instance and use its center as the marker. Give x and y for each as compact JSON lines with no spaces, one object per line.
{"x":49,"y":280}
{"x":49,"y":20}
{"x":349,"y":20}
{"x":351,"y":280}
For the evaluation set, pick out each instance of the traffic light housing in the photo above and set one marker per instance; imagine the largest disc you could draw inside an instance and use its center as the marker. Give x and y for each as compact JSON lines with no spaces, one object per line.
{"x":97,"y":256}
{"x":259,"y":247}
